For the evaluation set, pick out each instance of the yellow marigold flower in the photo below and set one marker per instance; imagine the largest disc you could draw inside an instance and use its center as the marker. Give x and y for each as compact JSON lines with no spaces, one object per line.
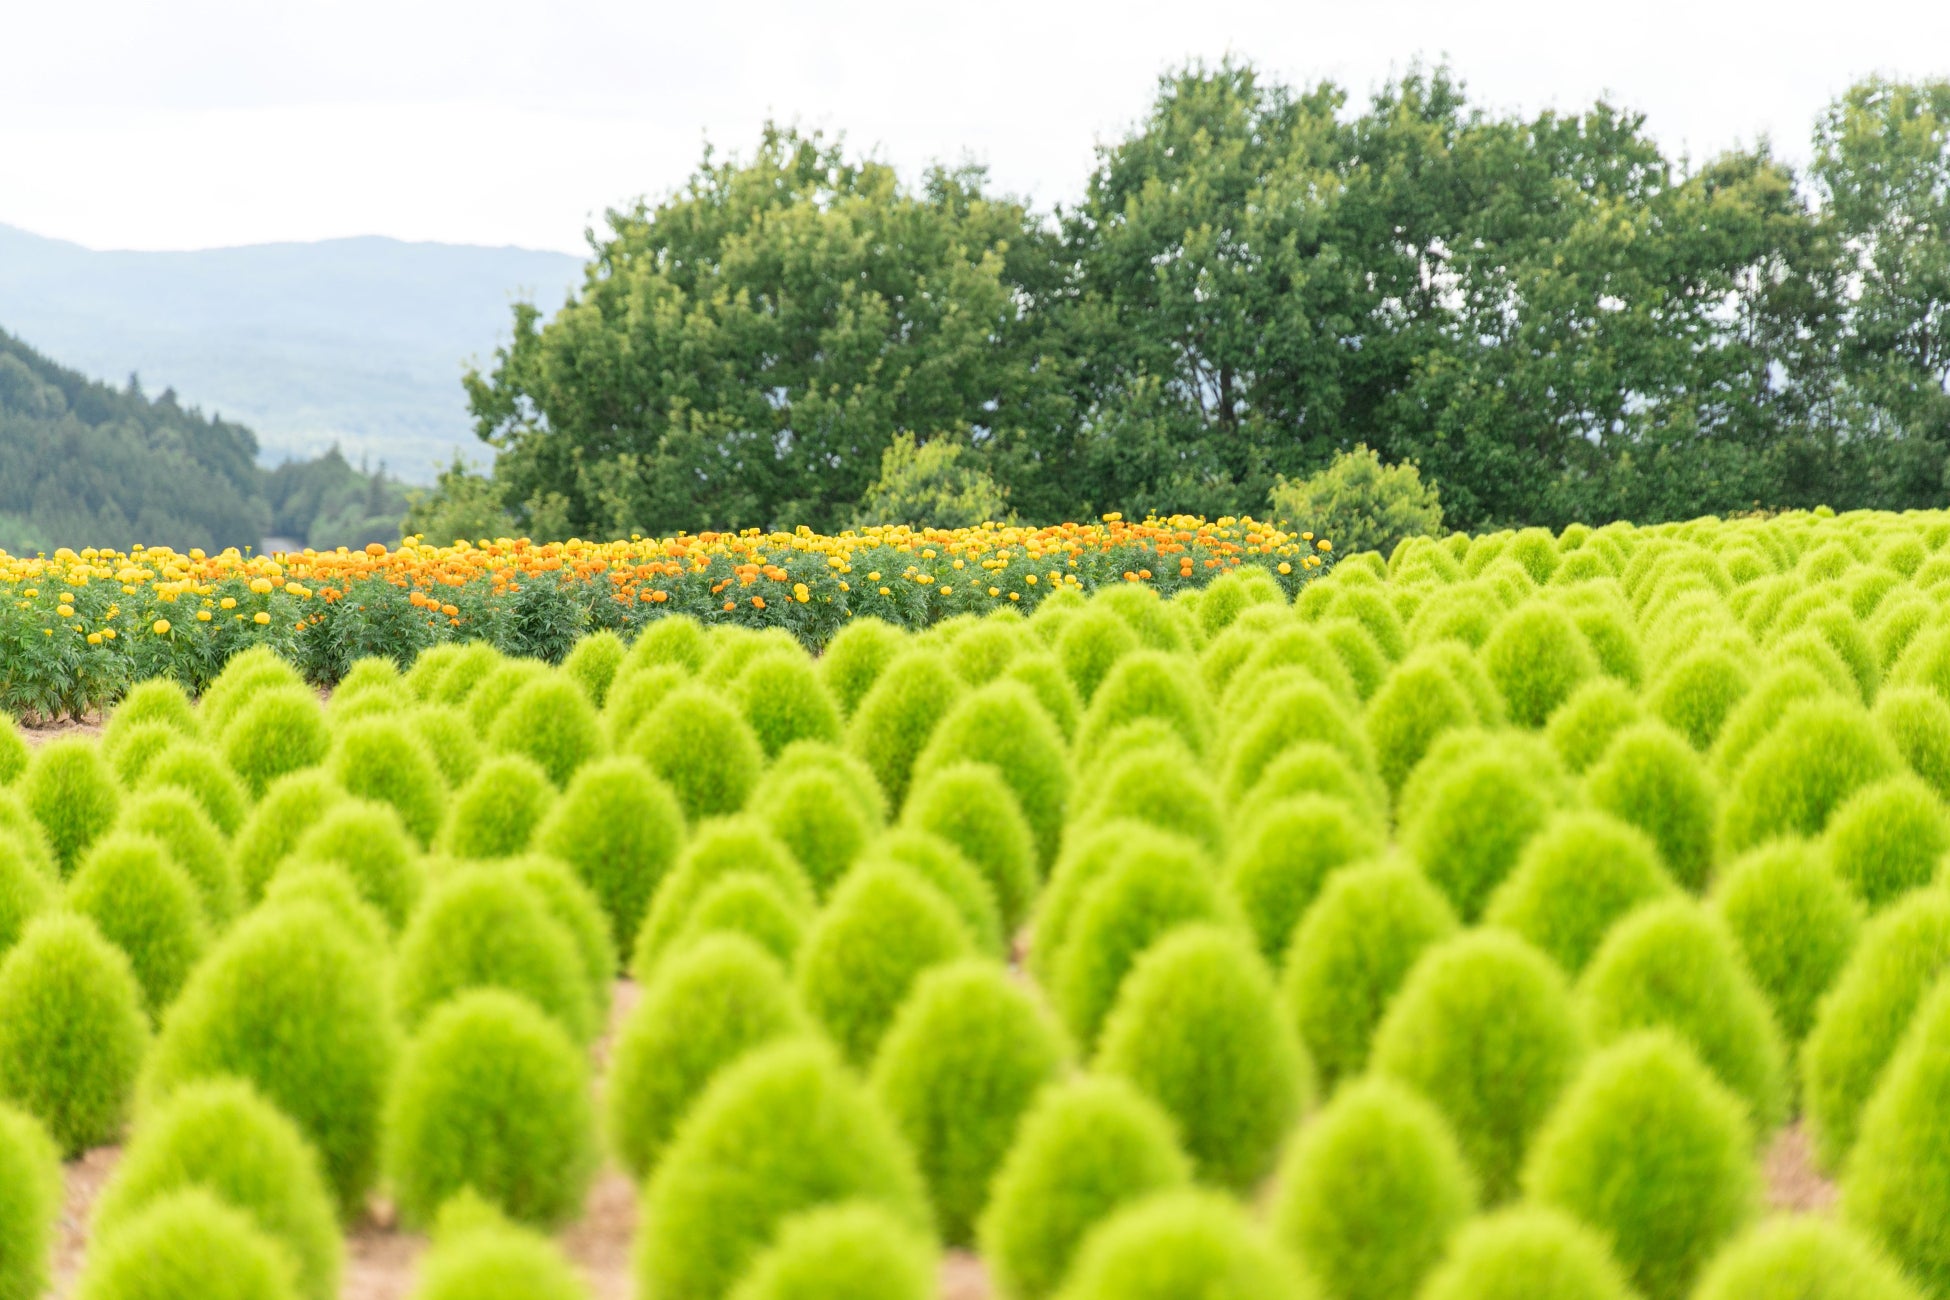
{"x":1029,"y":578}
{"x":203,"y":616}
{"x":995,"y":591}
{"x":108,"y":633}
{"x":1015,"y":595}
{"x":871,"y":577}
{"x":885,"y":592}
{"x":260,"y":618}
{"x":800,"y":594}
{"x":30,"y":593}
{"x":1306,"y":537}
{"x":160,"y":627}
{"x":66,"y":611}
{"x":1285,"y":567}
{"x":1324,"y":544}
{"x":228,"y":602}
{"x":94,"y":638}
{"x":262,"y":586}
{"x":66,"y":596}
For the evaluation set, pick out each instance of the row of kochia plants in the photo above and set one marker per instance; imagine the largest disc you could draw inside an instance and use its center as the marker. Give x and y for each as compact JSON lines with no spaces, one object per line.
{"x":1468,"y":927}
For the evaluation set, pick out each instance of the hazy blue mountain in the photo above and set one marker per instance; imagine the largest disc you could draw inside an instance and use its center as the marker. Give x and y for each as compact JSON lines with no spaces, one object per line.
{"x":359,"y":342}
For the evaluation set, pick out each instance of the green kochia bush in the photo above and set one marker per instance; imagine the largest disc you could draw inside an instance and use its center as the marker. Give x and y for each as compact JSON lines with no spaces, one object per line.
{"x":701,"y":747}
{"x":329,"y":885}
{"x":734,"y":845}
{"x":1888,"y":838}
{"x":973,"y":808}
{"x":1583,"y":726}
{"x":1351,"y":952}
{"x":257,"y":669}
{"x":1161,"y":785}
{"x":381,"y":759}
{"x":855,"y":658}
{"x":855,"y":775}
{"x":1298,"y":712}
{"x":551,"y":721}
{"x":1473,"y":822}
{"x":858,"y":1251}
{"x":1086,"y":1147}
{"x":1673,"y":965}
{"x":197,"y":769}
{"x":1092,"y":853}
{"x":486,"y":701}
{"x":1180,"y":1245}
{"x":1537,"y":657}
{"x":193,"y":843}
{"x":1651,"y":779}
{"x":679,"y":641}
{"x":1528,"y":1253}
{"x":1917,"y":722}
{"x":1150,"y":684}
{"x":575,"y":908}
{"x":144,"y":904}
{"x":594,"y":662}
{"x":1135,"y":904}
{"x":136,"y":749}
{"x":1803,"y":1258}
{"x":485,"y":927}
{"x":275,"y":826}
{"x":706,"y":1007}
{"x":1484,"y":1028}
{"x":1896,"y":1184}
{"x":223,"y":1138}
{"x":635,"y":696}
{"x":495,"y":814}
{"x":783,"y":701}
{"x":278,"y":732}
{"x":817,"y":818}
{"x":71,"y":1031}
{"x":893,"y":721}
{"x":454,"y":678}
{"x":1197,"y":1025}
{"x":746,"y":903}
{"x":620,"y":829}
{"x":72,"y":794}
{"x":1288,"y":850}
{"x":1003,"y":725}
{"x":1581,"y":873}
{"x":1795,"y":924}
{"x":1091,"y":643}
{"x":156,"y":700}
{"x":1806,"y":768}
{"x":494,"y":1097}
{"x":292,"y":1005}
{"x":883,"y":927}
{"x":1649,"y":1149}
{"x":187,"y":1244}
{"x":370,"y":842}
{"x":965,"y":1056}
{"x":1902,"y":953}
{"x":1370,"y":1190}
{"x":30,"y":1205}
{"x":1419,"y":701}
{"x":1697,"y":691}
{"x":784,"y":1130}
{"x":478,"y":1255}
{"x":27,"y":889}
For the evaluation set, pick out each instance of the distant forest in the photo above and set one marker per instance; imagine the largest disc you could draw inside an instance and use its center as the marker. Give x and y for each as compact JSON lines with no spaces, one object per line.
{"x":86,"y":464}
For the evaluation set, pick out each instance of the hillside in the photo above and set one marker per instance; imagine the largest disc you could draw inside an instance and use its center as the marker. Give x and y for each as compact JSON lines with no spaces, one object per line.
{"x":355,"y":342}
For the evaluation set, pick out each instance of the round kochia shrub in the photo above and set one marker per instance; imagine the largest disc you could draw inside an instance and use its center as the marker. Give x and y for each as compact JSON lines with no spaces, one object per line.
{"x":1197,"y":1026}
{"x":453,"y":677}
{"x":635,"y":696}
{"x":943,"y":866}
{"x":196,"y":768}
{"x":1418,"y":702}
{"x":1901,"y":954}
{"x":1003,"y":725}
{"x":972,"y":807}
{"x":495,"y":814}
{"x":1150,"y":684}
{"x":1090,"y":644}
{"x":187,"y":1244}
{"x":1896,"y":1184}
{"x":1370,"y":1191}
{"x":370,"y":842}
{"x":550,"y":721}
{"x":783,"y":701}
{"x":1537,"y":657}
{"x":485,"y":927}
{"x":1091,"y":854}
{"x":1086,"y":1147}
{"x":747,"y":904}
{"x":1181,"y":1244}
{"x":855,"y":658}
{"x":494,"y":1097}
{"x":1821,"y":753}
{"x":1471,"y":824}
{"x":575,"y":908}
{"x":892,"y":723}
{"x":702,"y":749}
{"x":1581,"y":873}
{"x":962,"y":1061}
{"x":593,"y":664}
{"x":858,"y":1251}
{"x":1803,"y":1258}
{"x":381,"y":759}
{"x":449,"y":737}
{"x":814,"y":815}
{"x":1673,"y":965}
{"x":71,"y":1031}
{"x":224,"y":1139}
{"x":784,"y":1130}
{"x":278,"y":732}
{"x":1286,"y":853}
{"x":290,"y":1004}
{"x":1159,"y":784}
{"x":677,"y":640}
{"x":1299,"y":712}
{"x":258,"y":668}
{"x":136,"y":749}
{"x":1351,"y":951}
{"x":1650,"y":1150}
{"x":144,"y":904}
{"x":193,"y":843}
{"x":1888,"y":838}
{"x":1484,"y":1027}
{"x":707,"y":1006}
{"x":72,"y":794}
{"x":1795,"y":925}
{"x":1133,"y":905}
{"x":734,"y":845}
{"x":30,"y":1205}
{"x":856,"y":776}
{"x":1583,"y":726}
{"x":1697,"y":691}
{"x":328,"y":884}
{"x":291,"y":806}
{"x":1652,"y":779}
{"x":1917,"y":722}
{"x":486,"y":701}
{"x":156,"y":700}
{"x":27,"y":889}
{"x":883,"y":927}
{"x":478,"y":1255}
{"x":1527,"y":1253}
{"x":619,"y":828}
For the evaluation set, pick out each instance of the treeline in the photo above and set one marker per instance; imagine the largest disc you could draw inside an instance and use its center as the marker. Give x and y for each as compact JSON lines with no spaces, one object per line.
{"x":1551,"y":316}
{"x":86,"y":464}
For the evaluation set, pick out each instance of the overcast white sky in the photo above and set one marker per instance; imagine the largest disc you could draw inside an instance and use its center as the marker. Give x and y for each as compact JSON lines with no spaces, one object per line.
{"x":200,"y":123}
